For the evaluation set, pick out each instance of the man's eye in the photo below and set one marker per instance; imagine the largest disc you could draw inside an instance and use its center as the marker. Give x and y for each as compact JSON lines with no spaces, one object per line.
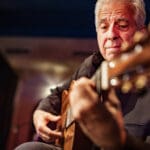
{"x":103,"y":26}
{"x":123,"y":26}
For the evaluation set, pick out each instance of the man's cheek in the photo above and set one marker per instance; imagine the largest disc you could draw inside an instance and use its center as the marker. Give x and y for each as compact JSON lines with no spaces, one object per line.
{"x":128,"y":38}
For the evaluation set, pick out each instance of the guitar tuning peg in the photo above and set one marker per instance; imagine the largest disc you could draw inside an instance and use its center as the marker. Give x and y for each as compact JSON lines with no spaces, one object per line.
{"x":126,"y":87}
{"x":138,"y":48}
{"x":138,"y":36}
{"x":124,"y":46}
{"x":112,"y":64}
{"x":126,"y":84}
{"x":141,"y":82}
{"x":114,"y":82}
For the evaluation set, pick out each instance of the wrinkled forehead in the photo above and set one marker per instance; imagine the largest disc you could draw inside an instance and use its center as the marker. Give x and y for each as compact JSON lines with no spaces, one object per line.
{"x":115,"y":4}
{"x":116,"y":9}
{"x":101,"y":2}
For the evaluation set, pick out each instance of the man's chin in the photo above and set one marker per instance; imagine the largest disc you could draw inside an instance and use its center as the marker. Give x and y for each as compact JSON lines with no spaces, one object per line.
{"x":111,"y":56}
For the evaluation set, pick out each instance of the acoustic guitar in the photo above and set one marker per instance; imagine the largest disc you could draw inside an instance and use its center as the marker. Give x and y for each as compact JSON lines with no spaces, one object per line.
{"x":129,"y":71}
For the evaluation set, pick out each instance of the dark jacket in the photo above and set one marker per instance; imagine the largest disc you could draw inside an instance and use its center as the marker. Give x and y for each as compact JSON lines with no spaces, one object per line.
{"x":135,"y":106}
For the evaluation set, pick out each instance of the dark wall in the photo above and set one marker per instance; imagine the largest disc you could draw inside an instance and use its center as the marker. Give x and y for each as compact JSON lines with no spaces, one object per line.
{"x":73,"y":18}
{"x":8,"y":83}
{"x":47,"y":17}
{"x":147,"y":6}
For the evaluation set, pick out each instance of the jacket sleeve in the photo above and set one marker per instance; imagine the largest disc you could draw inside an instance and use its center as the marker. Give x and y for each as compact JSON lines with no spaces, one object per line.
{"x":52,"y":103}
{"x":133,"y":143}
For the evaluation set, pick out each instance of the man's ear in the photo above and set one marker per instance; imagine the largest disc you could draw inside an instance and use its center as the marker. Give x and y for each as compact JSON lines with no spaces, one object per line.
{"x":144,"y":30}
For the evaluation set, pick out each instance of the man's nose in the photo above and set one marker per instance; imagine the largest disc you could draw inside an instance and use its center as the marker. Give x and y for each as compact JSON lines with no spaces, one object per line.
{"x":112,"y":33}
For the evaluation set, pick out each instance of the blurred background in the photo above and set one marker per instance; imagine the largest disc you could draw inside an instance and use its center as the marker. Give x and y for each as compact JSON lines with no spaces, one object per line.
{"x":42,"y":42}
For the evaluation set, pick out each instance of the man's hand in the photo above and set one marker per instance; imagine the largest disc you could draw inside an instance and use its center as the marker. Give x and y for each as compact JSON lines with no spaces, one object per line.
{"x":101,"y":120}
{"x":41,"y":120}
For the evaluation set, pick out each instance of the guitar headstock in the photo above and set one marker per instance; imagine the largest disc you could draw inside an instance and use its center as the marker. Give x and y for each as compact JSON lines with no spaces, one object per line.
{"x":130,"y":70}
{"x":133,"y":80}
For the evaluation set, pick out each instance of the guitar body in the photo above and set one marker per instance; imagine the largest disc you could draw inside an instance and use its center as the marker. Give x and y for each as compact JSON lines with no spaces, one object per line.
{"x":73,"y":137}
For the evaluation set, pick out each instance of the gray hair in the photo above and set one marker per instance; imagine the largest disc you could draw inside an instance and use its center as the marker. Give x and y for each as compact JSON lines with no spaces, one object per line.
{"x":139,"y":11}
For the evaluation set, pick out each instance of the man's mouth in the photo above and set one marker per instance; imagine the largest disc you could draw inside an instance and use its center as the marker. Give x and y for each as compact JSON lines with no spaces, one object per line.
{"x":113,"y":49}
{"x":112,"y":52}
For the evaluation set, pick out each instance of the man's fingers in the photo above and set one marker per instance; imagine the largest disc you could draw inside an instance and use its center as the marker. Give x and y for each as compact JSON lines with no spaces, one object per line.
{"x":48,"y":132}
{"x":55,"y":133}
{"x":46,"y":138}
{"x":49,"y":135}
{"x":53,"y":118}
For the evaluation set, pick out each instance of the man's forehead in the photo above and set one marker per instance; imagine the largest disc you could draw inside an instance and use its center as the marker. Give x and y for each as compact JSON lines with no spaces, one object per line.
{"x":119,"y":19}
{"x":116,"y":10}
{"x":117,"y":16}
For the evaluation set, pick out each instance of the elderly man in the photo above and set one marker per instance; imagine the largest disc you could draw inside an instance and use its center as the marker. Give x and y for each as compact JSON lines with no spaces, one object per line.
{"x":113,"y":121}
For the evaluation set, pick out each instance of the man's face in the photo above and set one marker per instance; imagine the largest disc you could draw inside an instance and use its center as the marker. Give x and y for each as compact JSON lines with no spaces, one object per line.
{"x":116,"y":26}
